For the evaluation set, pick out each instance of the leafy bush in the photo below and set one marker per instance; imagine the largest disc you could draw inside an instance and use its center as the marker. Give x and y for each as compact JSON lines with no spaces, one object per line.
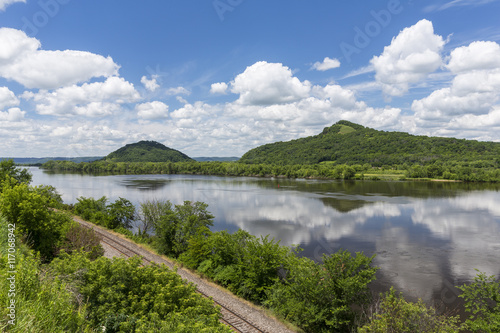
{"x":178,"y":225}
{"x":124,"y":296}
{"x":43,"y":303}
{"x":122,"y":213}
{"x":119,"y":214}
{"x":247,"y":265}
{"x":28,"y":209}
{"x":50,"y":192}
{"x":79,"y":238}
{"x":482,"y":301}
{"x":150,"y":213}
{"x":13,"y":175}
{"x":89,"y":209}
{"x":396,"y":315}
{"x":319,"y":297}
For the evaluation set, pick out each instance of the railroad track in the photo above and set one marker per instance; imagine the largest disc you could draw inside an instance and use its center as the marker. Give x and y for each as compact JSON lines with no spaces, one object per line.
{"x":229,"y":317}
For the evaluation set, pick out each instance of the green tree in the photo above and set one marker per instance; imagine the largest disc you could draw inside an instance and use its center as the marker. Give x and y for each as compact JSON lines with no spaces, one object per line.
{"x":122,"y":213}
{"x":482,"y":301}
{"x":55,"y":199}
{"x":150,"y":213}
{"x":179,"y":224}
{"x":92,"y":209}
{"x":9,"y":171}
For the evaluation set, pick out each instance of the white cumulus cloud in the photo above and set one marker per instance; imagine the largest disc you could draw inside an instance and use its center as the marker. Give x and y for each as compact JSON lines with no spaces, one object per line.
{"x":7,"y":98}
{"x":90,"y":99}
{"x":412,"y":55}
{"x":22,"y":60}
{"x":12,"y":115}
{"x":152,"y":84}
{"x":152,"y":110}
{"x":266,"y":83}
{"x":474,"y":90}
{"x":326,"y":64}
{"x":219,"y":88}
{"x":481,"y":55}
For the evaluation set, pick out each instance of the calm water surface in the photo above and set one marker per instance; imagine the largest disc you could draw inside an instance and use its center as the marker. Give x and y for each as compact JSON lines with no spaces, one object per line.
{"x":428,"y":236}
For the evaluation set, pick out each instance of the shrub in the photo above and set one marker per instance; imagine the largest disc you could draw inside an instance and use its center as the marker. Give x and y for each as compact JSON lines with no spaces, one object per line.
{"x":11,"y":174}
{"x":482,"y":301}
{"x":319,"y":297}
{"x":122,"y":213}
{"x":178,"y":225}
{"x":79,"y":238}
{"x":124,"y":296}
{"x":150,"y":214}
{"x":119,"y":214}
{"x":29,"y":210}
{"x":43,"y":303}
{"x":396,"y":315}
{"x":246,"y":265}
{"x":88,"y":209}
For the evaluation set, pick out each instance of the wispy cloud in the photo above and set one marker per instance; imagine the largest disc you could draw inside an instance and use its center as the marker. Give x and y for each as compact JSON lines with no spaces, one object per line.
{"x":359,"y":71}
{"x":5,"y":3}
{"x":457,"y":3}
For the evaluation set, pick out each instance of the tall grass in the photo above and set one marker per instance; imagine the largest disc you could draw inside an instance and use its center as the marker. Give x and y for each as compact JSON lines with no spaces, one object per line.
{"x":42,"y":303}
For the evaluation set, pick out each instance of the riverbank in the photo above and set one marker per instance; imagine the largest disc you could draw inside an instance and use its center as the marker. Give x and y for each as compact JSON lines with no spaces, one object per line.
{"x":332,"y":171}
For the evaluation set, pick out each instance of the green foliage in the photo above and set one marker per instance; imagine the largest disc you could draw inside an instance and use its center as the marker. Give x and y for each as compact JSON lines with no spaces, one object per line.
{"x":122,"y":213}
{"x":147,"y":151}
{"x":150,"y":213}
{"x":178,"y":225}
{"x":29,"y":209}
{"x":247,"y":265}
{"x":396,"y":315}
{"x":91,"y":209}
{"x":79,"y":238}
{"x":124,"y":296}
{"x":50,"y":192}
{"x":13,"y":175}
{"x":319,"y":297}
{"x":482,"y":301}
{"x":452,"y":170}
{"x":43,"y":303}
{"x":349,"y":143}
{"x":119,"y":214}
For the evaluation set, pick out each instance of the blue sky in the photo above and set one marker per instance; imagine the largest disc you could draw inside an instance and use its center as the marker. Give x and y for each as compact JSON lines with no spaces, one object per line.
{"x":219,"y":77}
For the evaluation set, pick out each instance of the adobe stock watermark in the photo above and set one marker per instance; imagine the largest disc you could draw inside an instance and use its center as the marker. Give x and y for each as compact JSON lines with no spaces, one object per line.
{"x":11,"y":274}
{"x":223,"y":6}
{"x":48,"y":10}
{"x":363,"y":37}
{"x":157,"y":73}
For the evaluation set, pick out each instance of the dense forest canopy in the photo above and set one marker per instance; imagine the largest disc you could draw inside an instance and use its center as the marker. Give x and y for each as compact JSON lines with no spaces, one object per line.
{"x":147,"y":151}
{"x":350,"y":143}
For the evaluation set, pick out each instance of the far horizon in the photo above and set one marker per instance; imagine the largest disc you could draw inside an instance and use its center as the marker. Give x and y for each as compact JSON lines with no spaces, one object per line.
{"x":194,"y":157}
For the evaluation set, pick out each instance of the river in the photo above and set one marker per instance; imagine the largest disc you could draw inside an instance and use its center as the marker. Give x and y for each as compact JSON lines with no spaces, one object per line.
{"x":427,"y":236}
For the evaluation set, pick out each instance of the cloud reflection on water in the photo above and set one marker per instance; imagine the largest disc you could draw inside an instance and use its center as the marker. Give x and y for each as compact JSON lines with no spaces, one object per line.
{"x":425,"y":235}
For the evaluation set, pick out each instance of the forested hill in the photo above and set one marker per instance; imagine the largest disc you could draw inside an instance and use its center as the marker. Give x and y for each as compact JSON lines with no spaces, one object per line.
{"x":147,"y":151}
{"x":349,"y":143}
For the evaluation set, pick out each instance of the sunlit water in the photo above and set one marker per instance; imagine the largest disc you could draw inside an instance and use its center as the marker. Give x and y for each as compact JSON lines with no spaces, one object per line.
{"x":428,"y":236}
